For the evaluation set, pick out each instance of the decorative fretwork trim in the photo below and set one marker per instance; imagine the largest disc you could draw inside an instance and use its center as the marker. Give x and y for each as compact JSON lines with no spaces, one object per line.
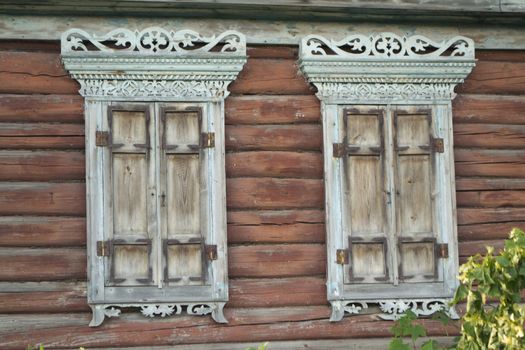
{"x":393,"y":309}
{"x":101,"y":311}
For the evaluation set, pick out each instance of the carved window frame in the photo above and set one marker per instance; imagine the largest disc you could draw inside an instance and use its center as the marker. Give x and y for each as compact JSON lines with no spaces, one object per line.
{"x":155,"y":66}
{"x":386,"y":70}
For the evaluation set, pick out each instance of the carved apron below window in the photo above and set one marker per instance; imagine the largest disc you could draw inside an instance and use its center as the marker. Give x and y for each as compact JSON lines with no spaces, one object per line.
{"x":155,"y":177}
{"x":389,"y":168}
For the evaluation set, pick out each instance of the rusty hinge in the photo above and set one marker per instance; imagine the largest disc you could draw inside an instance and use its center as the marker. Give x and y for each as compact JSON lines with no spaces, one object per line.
{"x":342,"y":256}
{"x":339,"y":150}
{"x":103,"y":248}
{"x":442,"y":250}
{"x":208,"y":139}
{"x":211,"y":252}
{"x":102,"y":138}
{"x":438,"y":145}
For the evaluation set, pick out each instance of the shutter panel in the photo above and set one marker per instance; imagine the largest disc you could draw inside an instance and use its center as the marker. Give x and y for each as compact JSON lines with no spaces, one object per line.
{"x":364,"y":196}
{"x":130,"y":244}
{"x":183,"y":243}
{"x":414,"y":187}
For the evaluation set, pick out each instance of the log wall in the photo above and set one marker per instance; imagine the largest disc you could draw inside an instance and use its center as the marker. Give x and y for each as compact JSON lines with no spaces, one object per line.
{"x":274,"y":195}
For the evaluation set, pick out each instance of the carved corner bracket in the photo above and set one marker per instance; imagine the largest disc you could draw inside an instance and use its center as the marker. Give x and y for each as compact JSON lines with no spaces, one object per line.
{"x":385,"y":67}
{"x":392,"y":309}
{"x":154,"y":63}
{"x":216,"y":309}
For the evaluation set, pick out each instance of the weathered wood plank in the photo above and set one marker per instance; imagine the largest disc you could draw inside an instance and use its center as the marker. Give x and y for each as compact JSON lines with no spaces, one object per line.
{"x":468,"y":216}
{"x":42,"y":142}
{"x":272,"y":109}
{"x":490,"y":109}
{"x":266,"y":292}
{"x":274,"y":137}
{"x":44,"y":302}
{"x":468,"y":184}
{"x":42,"y":231}
{"x":42,"y":199}
{"x":41,"y":108}
{"x":268,"y":193}
{"x":275,"y":164}
{"x":135,"y":330}
{"x":30,"y":45}
{"x":40,"y":129}
{"x":275,"y":217}
{"x":53,"y":136}
{"x":471,"y":248}
{"x":489,"y":136}
{"x":501,"y":55}
{"x":288,"y":233}
{"x":496,"y":163}
{"x":287,"y":52}
{"x":491,"y":199}
{"x":487,"y":231}
{"x":270,"y":76}
{"x":277,"y":260}
{"x":24,"y":264}
{"x":41,"y":165}
{"x":495,"y":77}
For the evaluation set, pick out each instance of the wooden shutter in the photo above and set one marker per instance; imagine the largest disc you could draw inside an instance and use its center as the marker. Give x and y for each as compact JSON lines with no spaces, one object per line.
{"x":183,"y":242}
{"x":132,"y":212}
{"x":414,"y":185}
{"x":365,"y":195}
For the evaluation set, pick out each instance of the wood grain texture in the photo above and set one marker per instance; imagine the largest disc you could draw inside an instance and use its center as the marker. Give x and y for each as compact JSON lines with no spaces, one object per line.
{"x":272,"y":109}
{"x":491,"y":199}
{"x":467,"y":216}
{"x":270,"y":76}
{"x":42,"y":199}
{"x":488,"y":109}
{"x":287,"y":233}
{"x":491,"y":231}
{"x":476,"y":183}
{"x":274,"y":164}
{"x":494,"y":136}
{"x":41,"y":165}
{"x":490,"y":163}
{"x":275,"y":217}
{"x":41,"y":108}
{"x":274,"y":137}
{"x":42,"y":231}
{"x":495,"y":77}
{"x":270,"y":193}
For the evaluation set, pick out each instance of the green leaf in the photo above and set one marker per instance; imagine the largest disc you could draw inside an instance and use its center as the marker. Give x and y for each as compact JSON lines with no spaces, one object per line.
{"x":398,"y":344}
{"x":417,"y":331}
{"x":442,"y":316}
{"x":430,"y":345}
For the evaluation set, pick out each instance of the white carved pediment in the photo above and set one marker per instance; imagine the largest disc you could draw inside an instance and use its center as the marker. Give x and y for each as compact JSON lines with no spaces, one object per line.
{"x":154,"y":63}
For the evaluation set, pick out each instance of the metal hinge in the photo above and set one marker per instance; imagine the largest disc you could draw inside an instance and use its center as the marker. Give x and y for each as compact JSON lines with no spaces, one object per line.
{"x":208,"y":139}
{"x":103,"y":248}
{"x":102,"y":138}
{"x":211,"y":252}
{"x":339,"y":150}
{"x":438,"y":145}
{"x":341,"y":256}
{"x":442,"y":250}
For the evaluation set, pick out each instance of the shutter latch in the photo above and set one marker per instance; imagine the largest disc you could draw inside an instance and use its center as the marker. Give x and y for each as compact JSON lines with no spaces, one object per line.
{"x":208,"y":139}
{"x":342,"y":256}
{"x":102,"y":138}
{"x":103,"y":248}
{"x":339,"y":150}
{"x":438,"y":145}
{"x":211,"y":252}
{"x":442,"y":250}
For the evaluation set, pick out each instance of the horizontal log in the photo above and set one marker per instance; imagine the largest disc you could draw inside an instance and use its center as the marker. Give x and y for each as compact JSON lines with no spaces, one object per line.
{"x":487,"y":231}
{"x":44,"y":302}
{"x":490,"y":109}
{"x":67,"y":331}
{"x":467,"y":184}
{"x":274,"y":164}
{"x":489,"y":135}
{"x":500,"y":55}
{"x":273,"y":51}
{"x":274,"y":137}
{"x":41,"y":108}
{"x":275,"y":217}
{"x":41,"y":165}
{"x":30,"y":45}
{"x":468,"y":216}
{"x":289,"y":233}
{"x":272,"y":109}
{"x":42,"y":142}
{"x":41,"y":129}
{"x":42,"y":231}
{"x":30,"y":135}
{"x":493,"y":163}
{"x":267,"y":193}
{"x":491,"y":199}
{"x":270,"y":76}
{"x":471,"y":248}
{"x":42,"y":199}
{"x":266,"y":292}
{"x":495,"y":77}
{"x":277,"y":260}
{"x":53,"y":264}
